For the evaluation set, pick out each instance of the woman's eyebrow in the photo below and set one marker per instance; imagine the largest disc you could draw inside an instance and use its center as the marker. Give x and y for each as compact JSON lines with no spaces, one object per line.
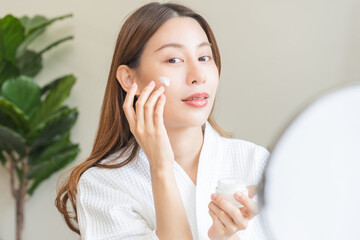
{"x":178,"y":45}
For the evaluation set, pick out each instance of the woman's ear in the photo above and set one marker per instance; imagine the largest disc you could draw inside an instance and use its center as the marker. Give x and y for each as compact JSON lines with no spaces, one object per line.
{"x":126,"y":77}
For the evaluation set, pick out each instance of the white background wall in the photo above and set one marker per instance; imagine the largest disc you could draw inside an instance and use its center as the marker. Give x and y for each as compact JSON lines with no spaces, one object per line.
{"x":276,"y":56}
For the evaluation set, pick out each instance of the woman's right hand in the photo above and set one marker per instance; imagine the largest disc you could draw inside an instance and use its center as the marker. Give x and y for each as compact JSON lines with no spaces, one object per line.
{"x":147,"y":125}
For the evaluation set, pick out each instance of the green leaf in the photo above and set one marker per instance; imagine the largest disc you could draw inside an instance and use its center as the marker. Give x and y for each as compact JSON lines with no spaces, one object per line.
{"x":33,"y":28}
{"x":58,"y":124}
{"x":11,"y":141}
{"x":30,"y":63}
{"x":50,"y":86}
{"x":13,"y":117}
{"x":23,"y":92}
{"x":7,"y":70}
{"x":55,"y":44}
{"x":47,"y":23}
{"x":24,"y":45}
{"x":37,"y":156}
{"x":44,"y":170}
{"x":32,"y":23}
{"x":57,"y":95}
{"x":11,"y":35}
{"x":29,"y":24}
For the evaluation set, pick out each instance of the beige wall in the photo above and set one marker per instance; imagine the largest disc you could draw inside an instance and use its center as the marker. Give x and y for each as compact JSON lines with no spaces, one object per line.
{"x":276,"y":55}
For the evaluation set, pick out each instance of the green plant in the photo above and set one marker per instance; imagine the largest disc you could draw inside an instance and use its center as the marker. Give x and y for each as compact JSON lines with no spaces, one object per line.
{"x":34,"y":124}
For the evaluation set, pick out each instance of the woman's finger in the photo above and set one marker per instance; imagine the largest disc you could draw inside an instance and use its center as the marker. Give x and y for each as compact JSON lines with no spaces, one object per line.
{"x":250,"y":205}
{"x":144,"y":95}
{"x":128,"y":106}
{"x":158,"y":118}
{"x":252,"y":191}
{"x":233,"y":211}
{"x":216,"y":220}
{"x":224,"y":217}
{"x":149,"y":108}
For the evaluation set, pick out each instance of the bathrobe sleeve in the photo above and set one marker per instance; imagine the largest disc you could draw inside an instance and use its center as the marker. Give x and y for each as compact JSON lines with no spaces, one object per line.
{"x":105,"y":212}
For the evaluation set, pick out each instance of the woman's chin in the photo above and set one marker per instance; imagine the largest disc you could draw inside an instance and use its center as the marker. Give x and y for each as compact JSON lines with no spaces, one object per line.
{"x":186,"y":122}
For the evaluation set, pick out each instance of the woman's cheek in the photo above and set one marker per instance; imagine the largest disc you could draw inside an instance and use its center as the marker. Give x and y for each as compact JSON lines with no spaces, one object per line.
{"x":168,"y":94}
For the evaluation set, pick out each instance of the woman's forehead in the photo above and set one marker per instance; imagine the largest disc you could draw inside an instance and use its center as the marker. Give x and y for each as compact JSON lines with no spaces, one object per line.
{"x":182,"y":31}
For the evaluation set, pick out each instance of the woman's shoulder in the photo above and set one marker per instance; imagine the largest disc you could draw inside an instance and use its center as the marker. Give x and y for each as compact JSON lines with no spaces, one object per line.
{"x":110,"y":177}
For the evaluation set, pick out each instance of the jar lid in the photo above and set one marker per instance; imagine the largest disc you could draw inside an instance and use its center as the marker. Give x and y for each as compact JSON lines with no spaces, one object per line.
{"x":231,"y":183}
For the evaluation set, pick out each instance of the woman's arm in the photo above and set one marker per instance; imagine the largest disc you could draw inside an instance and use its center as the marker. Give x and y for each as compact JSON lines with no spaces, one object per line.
{"x":171,"y":218}
{"x":147,"y":126}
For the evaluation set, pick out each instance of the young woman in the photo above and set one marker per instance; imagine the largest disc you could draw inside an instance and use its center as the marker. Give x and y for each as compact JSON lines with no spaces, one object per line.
{"x":158,"y":154}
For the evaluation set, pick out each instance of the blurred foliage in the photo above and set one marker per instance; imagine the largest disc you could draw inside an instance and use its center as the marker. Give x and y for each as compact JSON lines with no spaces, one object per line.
{"x":35,"y":124}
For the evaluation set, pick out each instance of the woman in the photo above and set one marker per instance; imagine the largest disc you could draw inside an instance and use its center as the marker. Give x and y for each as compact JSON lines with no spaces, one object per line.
{"x":158,"y":154}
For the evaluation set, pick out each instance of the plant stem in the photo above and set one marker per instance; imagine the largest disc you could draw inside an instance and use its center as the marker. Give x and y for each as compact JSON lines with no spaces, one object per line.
{"x":12,"y":178}
{"x":19,"y":193}
{"x":20,"y":203}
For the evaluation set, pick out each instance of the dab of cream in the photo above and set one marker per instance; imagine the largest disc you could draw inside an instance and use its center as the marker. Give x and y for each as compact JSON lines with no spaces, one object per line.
{"x":165,"y":81}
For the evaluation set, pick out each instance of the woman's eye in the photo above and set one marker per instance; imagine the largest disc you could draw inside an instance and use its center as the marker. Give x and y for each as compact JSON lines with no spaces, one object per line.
{"x":204,"y":58}
{"x":174,"y":60}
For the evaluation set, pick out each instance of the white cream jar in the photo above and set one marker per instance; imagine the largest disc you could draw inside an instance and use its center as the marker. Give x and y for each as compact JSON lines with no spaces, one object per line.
{"x":227,"y":187}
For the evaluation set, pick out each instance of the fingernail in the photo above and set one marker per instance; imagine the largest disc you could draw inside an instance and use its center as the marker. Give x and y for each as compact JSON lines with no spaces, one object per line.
{"x":152,"y":83}
{"x":161,"y":88}
{"x":214,"y":196}
{"x":238,"y":194}
{"x":133,"y":85}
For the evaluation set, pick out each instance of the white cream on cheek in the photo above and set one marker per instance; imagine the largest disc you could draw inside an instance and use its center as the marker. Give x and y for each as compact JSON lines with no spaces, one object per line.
{"x":164,"y":80}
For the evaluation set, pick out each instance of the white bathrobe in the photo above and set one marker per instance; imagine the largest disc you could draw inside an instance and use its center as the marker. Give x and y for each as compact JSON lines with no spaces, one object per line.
{"x":118,"y":203}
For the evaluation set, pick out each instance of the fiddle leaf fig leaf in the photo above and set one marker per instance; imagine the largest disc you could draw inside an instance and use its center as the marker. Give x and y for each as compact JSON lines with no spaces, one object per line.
{"x":53,"y":164}
{"x":7,"y":70}
{"x":23,"y":92}
{"x":30,"y":63}
{"x":13,"y":117}
{"x":11,"y":35}
{"x":55,"y":44}
{"x":58,"y":124}
{"x":31,"y":23}
{"x":38,"y":156}
{"x":10,"y":140}
{"x":53,"y":101}
{"x":44,"y":24}
{"x":34,"y":27}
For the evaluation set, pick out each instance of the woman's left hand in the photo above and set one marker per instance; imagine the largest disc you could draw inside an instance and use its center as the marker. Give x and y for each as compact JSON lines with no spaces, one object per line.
{"x":227,"y":218}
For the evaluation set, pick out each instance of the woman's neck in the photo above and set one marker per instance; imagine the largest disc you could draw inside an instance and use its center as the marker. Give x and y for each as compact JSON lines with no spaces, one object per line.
{"x":186,"y":144}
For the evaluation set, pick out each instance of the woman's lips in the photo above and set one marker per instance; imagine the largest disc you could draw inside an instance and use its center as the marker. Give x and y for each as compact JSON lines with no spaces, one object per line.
{"x":197,"y":95}
{"x":197,"y":103}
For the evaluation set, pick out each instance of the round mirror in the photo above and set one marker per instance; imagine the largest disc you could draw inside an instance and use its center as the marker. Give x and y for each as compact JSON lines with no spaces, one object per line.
{"x":311,"y":185}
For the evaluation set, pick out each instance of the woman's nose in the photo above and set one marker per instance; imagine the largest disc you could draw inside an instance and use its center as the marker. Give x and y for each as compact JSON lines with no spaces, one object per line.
{"x":195,"y":74}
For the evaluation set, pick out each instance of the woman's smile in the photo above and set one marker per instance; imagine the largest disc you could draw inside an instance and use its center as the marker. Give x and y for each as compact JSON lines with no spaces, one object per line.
{"x":197,"y":99}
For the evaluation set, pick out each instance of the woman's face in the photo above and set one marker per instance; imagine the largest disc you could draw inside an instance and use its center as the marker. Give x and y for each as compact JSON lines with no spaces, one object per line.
{"x":180,"y":51}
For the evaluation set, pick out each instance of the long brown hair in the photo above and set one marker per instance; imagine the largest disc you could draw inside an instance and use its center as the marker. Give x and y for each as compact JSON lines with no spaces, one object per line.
{"x":113,"y":132}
